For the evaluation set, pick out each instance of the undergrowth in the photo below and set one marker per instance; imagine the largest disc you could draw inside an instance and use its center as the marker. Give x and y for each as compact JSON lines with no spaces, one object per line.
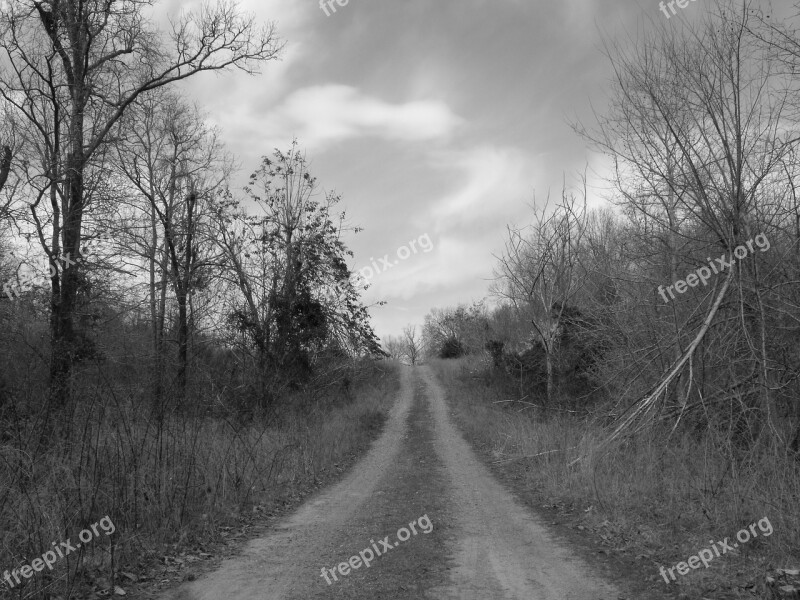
{"x":661,"y":495}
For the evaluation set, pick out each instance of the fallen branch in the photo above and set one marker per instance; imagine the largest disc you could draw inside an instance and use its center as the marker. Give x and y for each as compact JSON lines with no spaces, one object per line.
{"x":497,"y":462}
{"x":539,"y":406}
{"x":646,"y":404}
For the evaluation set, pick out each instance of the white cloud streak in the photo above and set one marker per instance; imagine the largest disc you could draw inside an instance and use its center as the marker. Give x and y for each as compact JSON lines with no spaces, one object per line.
{"x":321,"y":115}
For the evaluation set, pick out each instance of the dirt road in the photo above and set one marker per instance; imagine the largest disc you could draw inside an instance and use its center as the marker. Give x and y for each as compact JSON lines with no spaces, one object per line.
{"x":483,"y":544}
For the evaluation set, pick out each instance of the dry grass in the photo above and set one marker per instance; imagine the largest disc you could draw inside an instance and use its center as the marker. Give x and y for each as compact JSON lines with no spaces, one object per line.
{"x":662,"y":498}
{"x":169,"y":483}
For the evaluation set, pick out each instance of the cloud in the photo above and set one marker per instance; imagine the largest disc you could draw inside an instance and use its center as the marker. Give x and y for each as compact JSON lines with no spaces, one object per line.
{"x":452,"y":259}
{"x":491,"y":177}
{"x":320,"y":115}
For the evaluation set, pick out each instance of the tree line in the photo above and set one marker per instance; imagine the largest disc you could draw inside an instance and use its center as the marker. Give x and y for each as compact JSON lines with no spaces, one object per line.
{"x":176,"y":352}
{"x":702,"y":133}
{"x":99,"y":147}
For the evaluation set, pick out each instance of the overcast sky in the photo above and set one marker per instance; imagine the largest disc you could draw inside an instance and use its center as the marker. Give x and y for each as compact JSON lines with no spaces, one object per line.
{"x":437,"y":117}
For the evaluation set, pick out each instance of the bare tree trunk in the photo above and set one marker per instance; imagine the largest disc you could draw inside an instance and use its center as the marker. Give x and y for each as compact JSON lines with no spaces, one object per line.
{"x":5,"y":166}
{"x":680,"y":381}
{"x":63,"y":300}
{"x":162,"y":311}
{"x":550,"y":376}
{"x":156,"y":307}
{"x":183,"y":337}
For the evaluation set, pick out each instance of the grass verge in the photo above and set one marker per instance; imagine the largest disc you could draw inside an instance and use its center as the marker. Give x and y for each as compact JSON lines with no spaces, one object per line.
{"x":657,"y":500}
{"x":181,"y":490}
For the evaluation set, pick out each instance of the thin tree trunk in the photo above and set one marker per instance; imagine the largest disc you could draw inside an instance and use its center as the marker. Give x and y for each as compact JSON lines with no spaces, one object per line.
{"x":550,"y":375}
{"x":5,"y":166}
{"x":183,"y":336}
{"x":156,"y":308}
{"x":63,"y":302}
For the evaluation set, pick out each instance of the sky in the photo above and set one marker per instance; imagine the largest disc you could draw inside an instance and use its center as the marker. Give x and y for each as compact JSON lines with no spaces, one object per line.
{"x":436,"y":120}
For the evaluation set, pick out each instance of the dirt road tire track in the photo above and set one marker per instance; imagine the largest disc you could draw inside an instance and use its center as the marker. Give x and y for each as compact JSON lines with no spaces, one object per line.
{"x":484,"y":545}
{"x":269,"y":566}
{"x":502,"y":551}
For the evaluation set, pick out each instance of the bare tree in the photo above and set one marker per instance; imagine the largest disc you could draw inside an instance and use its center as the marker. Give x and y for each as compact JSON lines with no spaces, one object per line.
{"x":464,"y":329}
{"x":697,"y":130}
{"x":177,"y":165}
{"x":395,"y":346}
{"x":412,"y":343}
{"x":278,"y":261}
{"x":538,"y":274}
{"x":74,"y":69}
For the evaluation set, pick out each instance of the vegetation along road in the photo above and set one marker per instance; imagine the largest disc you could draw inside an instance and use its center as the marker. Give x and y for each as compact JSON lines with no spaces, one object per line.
{"x":483,"y":544}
